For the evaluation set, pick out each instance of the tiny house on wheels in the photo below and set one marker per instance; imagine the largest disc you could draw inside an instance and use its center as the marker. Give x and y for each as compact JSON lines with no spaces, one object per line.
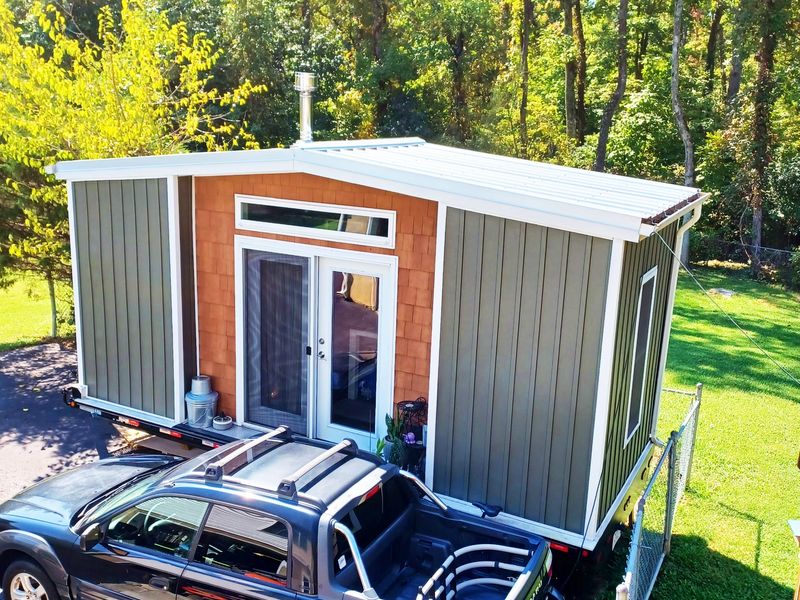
{"x":321,"y":284}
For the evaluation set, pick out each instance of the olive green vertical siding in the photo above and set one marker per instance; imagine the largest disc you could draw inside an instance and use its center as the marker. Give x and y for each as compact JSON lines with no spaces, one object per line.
{"x":122,"y":247}
{"x":619,"y":458}
{"x":521,"y":332}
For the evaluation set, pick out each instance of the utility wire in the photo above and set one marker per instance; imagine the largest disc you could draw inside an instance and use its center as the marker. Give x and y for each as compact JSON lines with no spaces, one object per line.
{"x":769,"y":357}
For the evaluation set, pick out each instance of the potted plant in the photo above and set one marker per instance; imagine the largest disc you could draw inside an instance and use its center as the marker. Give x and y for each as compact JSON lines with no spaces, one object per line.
{"x":392,"y":447}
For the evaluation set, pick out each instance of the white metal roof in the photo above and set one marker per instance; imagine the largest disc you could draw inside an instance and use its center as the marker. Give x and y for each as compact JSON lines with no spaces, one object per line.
{"x":599,"y":204}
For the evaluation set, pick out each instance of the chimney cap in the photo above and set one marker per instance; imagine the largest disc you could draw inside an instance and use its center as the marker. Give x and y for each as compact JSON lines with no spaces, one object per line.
{"x":305,"y":82}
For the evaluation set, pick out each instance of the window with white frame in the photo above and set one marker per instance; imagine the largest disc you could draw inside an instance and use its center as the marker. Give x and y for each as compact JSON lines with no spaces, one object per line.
{"x":641,"y":346}
{"x":348,"y":224}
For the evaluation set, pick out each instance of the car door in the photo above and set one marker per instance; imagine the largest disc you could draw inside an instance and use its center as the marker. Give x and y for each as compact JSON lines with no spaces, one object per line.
{"x":144,"y":549}
{"x":240,"y":555}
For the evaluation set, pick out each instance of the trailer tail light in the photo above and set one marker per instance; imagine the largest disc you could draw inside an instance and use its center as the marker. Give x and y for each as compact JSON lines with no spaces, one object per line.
{"x":559,"y":547}
{"x":127,"y":421}
{"x":170,"y":433}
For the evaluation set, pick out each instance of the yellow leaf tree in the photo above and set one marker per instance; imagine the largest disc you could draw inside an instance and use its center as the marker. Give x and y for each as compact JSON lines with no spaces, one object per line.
{"x":144,"y":87}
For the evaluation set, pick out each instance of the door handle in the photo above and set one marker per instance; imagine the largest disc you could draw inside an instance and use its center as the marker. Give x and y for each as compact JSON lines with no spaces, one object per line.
{"x":161,"y":582}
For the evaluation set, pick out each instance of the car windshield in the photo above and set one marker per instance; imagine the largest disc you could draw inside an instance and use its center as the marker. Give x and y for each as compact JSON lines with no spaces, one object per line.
{"x":136,"y":487}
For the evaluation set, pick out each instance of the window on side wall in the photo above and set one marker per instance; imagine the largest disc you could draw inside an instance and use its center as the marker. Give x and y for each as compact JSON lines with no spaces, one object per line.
{"x":641,"y":350}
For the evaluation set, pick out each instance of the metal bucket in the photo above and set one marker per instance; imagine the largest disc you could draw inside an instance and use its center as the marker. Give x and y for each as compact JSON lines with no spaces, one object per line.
{"x":201,"y":403}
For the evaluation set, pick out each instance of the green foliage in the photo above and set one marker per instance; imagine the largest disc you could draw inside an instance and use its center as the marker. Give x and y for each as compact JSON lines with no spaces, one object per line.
{"x":141,"y":85}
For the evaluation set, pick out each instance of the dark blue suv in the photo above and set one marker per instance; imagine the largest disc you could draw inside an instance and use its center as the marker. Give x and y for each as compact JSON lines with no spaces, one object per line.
{"x":274,"y":517}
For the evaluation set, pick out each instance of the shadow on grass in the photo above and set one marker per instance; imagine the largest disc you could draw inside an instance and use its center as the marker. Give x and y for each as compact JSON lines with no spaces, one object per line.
{"x":694,"y":571}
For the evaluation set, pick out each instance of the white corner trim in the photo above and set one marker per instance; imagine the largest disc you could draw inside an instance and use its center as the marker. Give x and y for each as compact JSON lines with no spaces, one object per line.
{"x":317,"y":234}
{"x":673,"y":284}
{"x":239,"y":245}
{"x":173,"y":219}
{"x":592,"y":543}
{"x":546,"y":531}
{"x":436,"y":340}
{"x":605,"y":368}
{"x":73,"y":253}
{"x":196,"y":286}
{"x":652,"y":274}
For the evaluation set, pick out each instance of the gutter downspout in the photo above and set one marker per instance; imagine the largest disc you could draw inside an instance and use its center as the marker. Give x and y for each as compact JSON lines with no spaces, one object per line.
{"x":673,"y":283}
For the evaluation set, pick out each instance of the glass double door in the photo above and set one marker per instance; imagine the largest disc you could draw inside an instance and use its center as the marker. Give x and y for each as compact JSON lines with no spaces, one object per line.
{"x":318,"y":353}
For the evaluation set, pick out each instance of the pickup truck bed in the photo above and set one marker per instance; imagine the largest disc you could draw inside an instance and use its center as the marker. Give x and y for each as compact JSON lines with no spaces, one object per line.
{"x":416,"y":550}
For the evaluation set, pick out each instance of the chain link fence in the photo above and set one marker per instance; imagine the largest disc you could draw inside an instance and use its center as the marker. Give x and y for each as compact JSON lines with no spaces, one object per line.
{"x":655,"y":514}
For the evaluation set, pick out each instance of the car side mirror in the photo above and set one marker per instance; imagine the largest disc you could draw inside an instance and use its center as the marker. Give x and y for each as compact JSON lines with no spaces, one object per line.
{"x":91,"y":536}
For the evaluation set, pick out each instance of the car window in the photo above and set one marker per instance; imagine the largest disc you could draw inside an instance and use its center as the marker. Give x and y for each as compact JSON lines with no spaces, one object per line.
{"x":376,"y":512}
{"x":165,"y":524}
{"x":248,"y":543}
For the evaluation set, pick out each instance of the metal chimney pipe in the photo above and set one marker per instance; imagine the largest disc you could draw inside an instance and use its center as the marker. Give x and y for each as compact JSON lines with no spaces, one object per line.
{"x":305,"y":83}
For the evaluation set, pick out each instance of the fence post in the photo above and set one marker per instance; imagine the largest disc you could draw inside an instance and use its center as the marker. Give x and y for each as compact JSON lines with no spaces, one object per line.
{"x":672,"y":472}
{"x":698,"y":398}
{"x":623,"y":589}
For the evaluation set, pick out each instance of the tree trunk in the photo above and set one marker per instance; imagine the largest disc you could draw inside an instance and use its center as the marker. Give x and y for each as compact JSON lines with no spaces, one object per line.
{"x":51,"y":290}
{"x":641,"y":50}
{"x":380,"y":11}
{"x":570,"y":73}
{"x":525,"y":38}
{"x":762,"y":107}
{"x":305,"y":16}
{"x":677,"y":107}
{"x":711,"y":46}
{"x":737,"y":40}
{"x":619,"y":91}
{"x":580,"y":80}
{"x":460,"y":109}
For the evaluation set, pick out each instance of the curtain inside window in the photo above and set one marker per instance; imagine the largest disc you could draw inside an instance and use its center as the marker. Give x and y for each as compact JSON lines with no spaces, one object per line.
{"x":276,"y":314}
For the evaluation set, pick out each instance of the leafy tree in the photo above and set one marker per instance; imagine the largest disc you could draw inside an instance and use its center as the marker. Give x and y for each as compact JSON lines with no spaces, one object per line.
{"x":142,"y":88}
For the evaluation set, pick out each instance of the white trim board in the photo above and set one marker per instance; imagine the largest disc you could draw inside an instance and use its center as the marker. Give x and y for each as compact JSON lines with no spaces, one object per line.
{"x":588,"y":542}
{"x":547,"y":531}
{"x":605,"y":371}
{"x":73,"y":252}
{"x":416,"y":174}
{"x":127,"y":411}
{"x":436,"y":340}
{"x":174,"y":226}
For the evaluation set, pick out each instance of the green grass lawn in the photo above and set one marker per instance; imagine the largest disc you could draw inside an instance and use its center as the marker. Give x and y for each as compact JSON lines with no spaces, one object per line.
{"x":731,"y":539}
{"x":25,"y":313}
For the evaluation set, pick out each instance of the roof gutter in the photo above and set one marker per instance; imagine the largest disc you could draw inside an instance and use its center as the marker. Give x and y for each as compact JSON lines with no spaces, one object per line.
{"x":693,"y":203}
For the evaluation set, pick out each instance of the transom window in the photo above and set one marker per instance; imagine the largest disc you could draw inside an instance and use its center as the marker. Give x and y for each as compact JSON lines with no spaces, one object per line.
{"x":349,"y":224}
{"x":641,"y":346}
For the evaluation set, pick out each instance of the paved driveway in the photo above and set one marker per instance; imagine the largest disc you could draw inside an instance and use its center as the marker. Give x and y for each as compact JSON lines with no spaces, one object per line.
{"x":39,"y":435}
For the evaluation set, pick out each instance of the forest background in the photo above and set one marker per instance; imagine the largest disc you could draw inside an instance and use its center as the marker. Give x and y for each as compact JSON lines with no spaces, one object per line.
{"x":702,"y":93}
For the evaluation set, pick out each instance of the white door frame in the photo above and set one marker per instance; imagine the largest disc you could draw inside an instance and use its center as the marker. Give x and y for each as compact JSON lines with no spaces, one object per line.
{"x":326,"y":267}
{"x":314,"y":253}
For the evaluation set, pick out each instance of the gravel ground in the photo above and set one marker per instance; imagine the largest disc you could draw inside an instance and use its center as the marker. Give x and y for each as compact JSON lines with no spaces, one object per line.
{"x":39,"y":434}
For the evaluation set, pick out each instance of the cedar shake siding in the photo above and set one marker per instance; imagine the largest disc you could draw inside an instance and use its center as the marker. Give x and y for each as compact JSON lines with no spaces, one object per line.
{"x":415,"y":248}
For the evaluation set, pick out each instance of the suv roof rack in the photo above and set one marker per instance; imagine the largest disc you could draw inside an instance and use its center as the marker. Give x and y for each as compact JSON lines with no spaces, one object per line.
{"x":288,"y":486}
{"x":247,"y":453}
